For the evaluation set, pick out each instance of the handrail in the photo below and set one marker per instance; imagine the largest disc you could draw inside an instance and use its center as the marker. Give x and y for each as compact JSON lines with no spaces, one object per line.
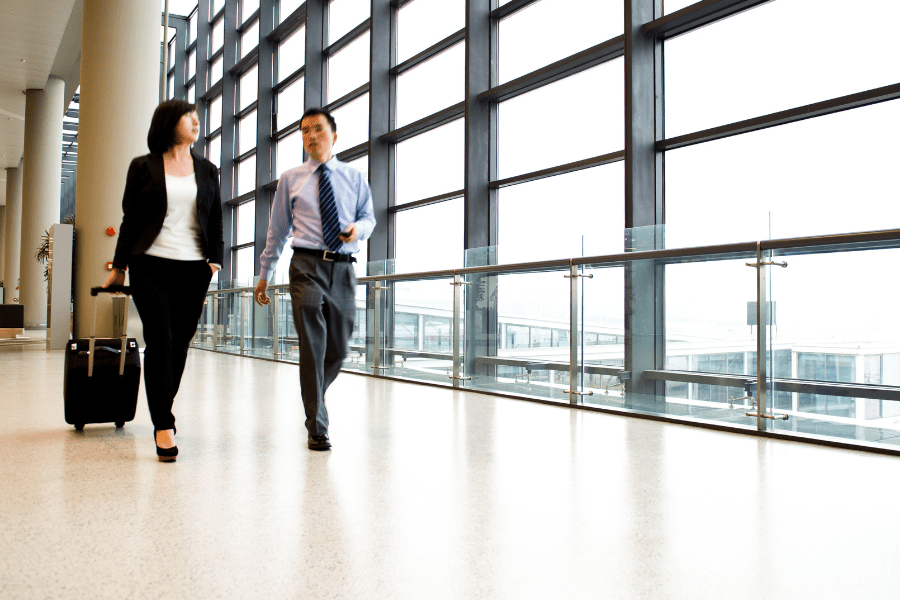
{"x":489,"y":366}
{"x":668,"y":255}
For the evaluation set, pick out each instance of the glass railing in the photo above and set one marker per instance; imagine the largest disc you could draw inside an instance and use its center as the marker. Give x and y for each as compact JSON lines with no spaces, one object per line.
{"x":671,"y":332}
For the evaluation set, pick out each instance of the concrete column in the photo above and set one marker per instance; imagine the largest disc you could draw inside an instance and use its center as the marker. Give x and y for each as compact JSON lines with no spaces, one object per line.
{"x":13,"y":239}
{"x":41,"y":174}
{"x":120,"y":54}
{"x":2,"y":240}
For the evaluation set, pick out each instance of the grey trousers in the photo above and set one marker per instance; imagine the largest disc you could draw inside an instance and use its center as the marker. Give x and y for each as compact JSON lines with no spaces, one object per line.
{"x":323,"y":298}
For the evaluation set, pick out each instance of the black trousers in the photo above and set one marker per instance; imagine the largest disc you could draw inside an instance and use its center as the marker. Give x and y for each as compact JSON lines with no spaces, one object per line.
{"x":169,"y":298}
{"x":323,"y":298}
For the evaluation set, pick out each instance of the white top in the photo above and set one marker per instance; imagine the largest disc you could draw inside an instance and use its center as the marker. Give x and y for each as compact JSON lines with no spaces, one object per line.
{"x":180,"y":237}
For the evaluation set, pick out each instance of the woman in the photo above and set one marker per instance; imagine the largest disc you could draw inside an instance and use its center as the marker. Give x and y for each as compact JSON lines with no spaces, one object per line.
{"x":171,"y":240}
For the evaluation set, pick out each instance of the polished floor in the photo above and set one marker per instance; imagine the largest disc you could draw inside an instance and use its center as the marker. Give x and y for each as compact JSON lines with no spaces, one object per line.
{"x":428,"y":493}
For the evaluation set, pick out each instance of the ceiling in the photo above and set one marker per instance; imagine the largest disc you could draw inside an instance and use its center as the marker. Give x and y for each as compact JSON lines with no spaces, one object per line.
{"x":38,"y":38}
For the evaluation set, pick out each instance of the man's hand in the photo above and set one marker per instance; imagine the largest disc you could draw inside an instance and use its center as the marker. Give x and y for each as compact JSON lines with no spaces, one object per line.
{"x":116,"y":277}
{"x":349,"y":235}
{"x":260,"y":294}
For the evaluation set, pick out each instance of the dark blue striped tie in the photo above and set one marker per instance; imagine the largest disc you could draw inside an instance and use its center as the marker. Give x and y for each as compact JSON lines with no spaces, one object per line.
{"x":331,"y":226}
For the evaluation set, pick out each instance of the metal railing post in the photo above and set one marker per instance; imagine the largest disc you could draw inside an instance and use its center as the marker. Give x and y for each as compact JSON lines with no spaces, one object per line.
{"x":762,"y":324}
{"x":276,"y":329}
{"x":376,"y":326}
{"x":575,"y":382}
{"x":216,"y":343}
{"x":243,"y":320}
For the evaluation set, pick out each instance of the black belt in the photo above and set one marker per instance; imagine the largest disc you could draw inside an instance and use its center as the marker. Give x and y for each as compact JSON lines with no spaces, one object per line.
{"x":327,"y":255}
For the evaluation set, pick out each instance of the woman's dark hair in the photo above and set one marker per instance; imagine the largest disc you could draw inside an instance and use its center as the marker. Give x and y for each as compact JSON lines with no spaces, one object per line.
{"x":311,"y":112}
{"x":161,"y":136}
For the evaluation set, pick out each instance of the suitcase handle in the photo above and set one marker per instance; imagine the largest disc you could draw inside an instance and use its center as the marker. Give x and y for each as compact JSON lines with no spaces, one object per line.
{"x":113,"y":289}
{"x":105,"y":349}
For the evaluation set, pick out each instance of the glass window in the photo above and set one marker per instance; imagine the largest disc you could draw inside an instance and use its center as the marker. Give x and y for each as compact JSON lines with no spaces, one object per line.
{"x":361,"y":165}
{"x":290,"y":104}
{"x":246,"y":176}
{"x":245,"y":223}
{"x":248,"y":7}
{"x":192,"y":28}
{"x":747,"y":77}
{"x":288,"y":153}
{"x":566,"y":27}
{"x":431,"y":86}
{"x":217,"y":36}
{"x":430,"y":164}
{"x":344,"y":15}
{"x":247,"y":133}
{"x":192,"y":64}
{"x":244,"y":263}
{"x":362,"y":257}
{"x":671,"y":6}
{"x":586,"y":219}
{"x":423,"y":23}
{"x":592,"y":123}
{"x":215,"y":151}
{"x":170,"y":87}
{"x":287,"y":7}
{"x":171,"y":55}
{"x":291,"y":53}
{"x":191,"y":94}
{"x":182,"y":7}
{"x":215,"y":6}
{"x":249,"y":39}
{"x":282,"y":267}
{"x":444,"y":223}
{"x":215,"y":71}
{"x":349,"y":68}
{"x":215,"y":114}
{"x":787,"y":181}
{"x":353,"y":123}
{"x":406,"y":331}
{"x":249,"y":87}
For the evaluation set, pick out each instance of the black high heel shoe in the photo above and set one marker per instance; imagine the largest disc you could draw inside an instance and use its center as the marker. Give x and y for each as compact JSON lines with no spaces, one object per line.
{"x":165,"y":454}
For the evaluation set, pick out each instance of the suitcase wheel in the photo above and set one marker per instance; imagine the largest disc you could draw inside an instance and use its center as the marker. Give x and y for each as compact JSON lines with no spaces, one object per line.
{"x":120,"y":424}
{"x":79,"y":426}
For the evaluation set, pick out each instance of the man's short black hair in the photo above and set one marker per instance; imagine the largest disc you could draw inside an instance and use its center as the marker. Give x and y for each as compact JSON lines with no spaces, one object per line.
{"x":311,"y":112}
{"x":161,"y":136}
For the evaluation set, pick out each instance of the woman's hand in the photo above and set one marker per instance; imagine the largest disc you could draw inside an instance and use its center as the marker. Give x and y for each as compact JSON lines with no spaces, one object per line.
{"x":116,"y":277}
{"x":214,"y":268}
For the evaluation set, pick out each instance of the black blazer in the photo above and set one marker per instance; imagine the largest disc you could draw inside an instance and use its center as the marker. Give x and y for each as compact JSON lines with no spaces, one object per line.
{"x":144,"y":206}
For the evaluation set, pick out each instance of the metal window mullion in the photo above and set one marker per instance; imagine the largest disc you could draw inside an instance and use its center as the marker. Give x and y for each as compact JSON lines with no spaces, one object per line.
{"x":571,"y":167}
{"x":315,"y":80}
{"x":348,"y":38}
{"x":291,"y":79}
{"x":229,"y":124}
{"x":265,"y":144}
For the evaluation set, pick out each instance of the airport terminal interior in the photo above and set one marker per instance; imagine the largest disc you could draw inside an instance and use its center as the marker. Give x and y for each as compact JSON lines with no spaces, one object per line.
{"x":625,"y":327}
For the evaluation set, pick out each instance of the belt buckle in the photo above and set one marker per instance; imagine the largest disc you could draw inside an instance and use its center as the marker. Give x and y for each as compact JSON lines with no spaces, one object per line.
{"x":325,"y":254}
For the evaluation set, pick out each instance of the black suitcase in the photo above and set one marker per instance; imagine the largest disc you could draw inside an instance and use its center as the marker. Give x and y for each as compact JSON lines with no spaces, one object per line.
{"x":101,"y":382}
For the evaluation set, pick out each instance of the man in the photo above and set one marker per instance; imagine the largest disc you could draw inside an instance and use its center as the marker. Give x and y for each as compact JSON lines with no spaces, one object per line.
{"x":326,"y":209}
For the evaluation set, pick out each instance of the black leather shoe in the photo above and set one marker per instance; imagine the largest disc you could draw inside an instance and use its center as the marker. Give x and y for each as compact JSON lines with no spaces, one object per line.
{"x":165,"y":454}
{"x":319,"y":442}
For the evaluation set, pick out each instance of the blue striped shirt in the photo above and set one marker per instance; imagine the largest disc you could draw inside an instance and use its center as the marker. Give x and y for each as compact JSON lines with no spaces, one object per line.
{"x":295,"y":210}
